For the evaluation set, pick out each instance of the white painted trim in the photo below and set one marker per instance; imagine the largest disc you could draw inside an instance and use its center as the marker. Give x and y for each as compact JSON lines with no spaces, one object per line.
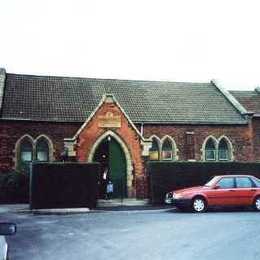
{"x":129,"y":167}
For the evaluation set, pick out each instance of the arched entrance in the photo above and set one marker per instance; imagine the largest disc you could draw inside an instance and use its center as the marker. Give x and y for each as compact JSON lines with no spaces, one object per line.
{"x":113,"y":167}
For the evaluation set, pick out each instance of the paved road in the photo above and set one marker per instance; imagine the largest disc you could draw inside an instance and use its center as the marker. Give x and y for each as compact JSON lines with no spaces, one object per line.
{"x":137,"y":235}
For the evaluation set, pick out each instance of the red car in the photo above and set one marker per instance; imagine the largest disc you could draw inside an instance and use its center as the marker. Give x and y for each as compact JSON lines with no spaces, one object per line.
{"x":226,"y":190}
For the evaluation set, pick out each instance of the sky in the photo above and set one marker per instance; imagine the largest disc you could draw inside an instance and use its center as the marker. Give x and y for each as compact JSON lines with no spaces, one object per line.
{"x":194,"y":41}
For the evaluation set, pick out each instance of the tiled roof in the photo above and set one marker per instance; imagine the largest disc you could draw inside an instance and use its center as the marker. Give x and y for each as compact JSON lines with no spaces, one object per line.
{"x":65,"y":99}
{"x":249,"y":99}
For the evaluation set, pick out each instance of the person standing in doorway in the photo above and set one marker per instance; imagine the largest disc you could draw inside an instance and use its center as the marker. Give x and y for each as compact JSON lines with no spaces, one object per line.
{"x":109,"y":190}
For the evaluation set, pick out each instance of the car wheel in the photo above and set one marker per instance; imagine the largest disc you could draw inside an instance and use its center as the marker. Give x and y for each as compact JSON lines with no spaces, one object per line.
{"x":257,"y":203}
{"x":199,"y":204}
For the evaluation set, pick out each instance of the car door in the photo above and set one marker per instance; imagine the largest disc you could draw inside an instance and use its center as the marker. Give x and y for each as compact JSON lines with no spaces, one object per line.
{"x":245,"y":191}
{"x":223,"y":192}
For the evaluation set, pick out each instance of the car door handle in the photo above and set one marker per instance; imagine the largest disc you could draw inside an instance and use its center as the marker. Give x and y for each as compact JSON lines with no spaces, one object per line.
{"x":231,"y":190}
{"x":252,"y":190}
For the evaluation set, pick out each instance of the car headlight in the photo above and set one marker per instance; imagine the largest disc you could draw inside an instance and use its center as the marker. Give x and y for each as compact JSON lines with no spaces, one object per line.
{"x":169,"y":195}
{"x":176,"y":196}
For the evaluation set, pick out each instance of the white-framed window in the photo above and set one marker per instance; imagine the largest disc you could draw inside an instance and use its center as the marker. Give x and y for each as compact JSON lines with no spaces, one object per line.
{"x":220,"y":149}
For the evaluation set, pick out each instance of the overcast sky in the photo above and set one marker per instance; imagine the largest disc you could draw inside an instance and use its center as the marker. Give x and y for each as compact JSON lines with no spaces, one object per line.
{"x":134,"y":39}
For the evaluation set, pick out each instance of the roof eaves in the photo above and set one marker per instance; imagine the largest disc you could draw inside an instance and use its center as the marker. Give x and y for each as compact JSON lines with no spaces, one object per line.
{"x":242,"y":122}
{"x":2,"y":86}
{"x":230,"y":98}
{"x":39,"y":120}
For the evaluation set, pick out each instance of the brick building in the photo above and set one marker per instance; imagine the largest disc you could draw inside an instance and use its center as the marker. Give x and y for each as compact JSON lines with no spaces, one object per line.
{"x":123,"y":124}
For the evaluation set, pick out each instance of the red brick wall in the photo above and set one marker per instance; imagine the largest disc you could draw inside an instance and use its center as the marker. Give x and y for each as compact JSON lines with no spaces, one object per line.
{"x":129,"y":136}
{"x":246,"y":142}
{"x":12,"y":131}
{"x":256,"y":136}
{"x":240,"y":136}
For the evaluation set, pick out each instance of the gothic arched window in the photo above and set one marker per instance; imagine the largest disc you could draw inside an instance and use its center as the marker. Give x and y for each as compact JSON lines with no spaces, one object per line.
{"x":42,"y":150}
{"x":210,"y":150}
{"x":167,"y":149}
{"x":223,"y":150}
{"x":154,"y":150}
{"x":25,"y":153}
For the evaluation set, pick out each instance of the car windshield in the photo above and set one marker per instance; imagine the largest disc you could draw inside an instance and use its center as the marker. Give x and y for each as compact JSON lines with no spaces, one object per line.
{"x":211,"y":182}
{"x":256,"y":181}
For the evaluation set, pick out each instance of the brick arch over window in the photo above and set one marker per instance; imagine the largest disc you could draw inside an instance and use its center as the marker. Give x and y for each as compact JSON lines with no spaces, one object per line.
{"x":209,"y":149}
{"x":155,"y":150}
{"x":168,"y":148}
{"x":225,"y":149}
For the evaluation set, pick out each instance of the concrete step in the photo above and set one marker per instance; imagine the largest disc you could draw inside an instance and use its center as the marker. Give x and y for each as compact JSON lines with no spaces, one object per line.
{"x":122,"y":202}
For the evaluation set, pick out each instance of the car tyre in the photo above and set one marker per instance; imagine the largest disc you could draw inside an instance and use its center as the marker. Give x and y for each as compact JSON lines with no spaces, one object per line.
{"x":257,"y":203}
{"x":199,"y":205}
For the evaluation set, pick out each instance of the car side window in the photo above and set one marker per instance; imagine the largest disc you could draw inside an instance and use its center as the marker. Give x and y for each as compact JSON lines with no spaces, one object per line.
{"x":243,"y":182}
{"x":226,"y":183}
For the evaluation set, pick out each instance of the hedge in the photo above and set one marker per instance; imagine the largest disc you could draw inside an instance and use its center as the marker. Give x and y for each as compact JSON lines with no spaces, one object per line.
{"x":63,"y":185}
{"x":14,"y":187}
{"x":168,"y":176}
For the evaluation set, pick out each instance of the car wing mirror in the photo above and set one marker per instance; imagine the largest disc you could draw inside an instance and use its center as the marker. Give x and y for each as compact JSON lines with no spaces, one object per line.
{"x":7,"y":229}
{"x":216,"y":187}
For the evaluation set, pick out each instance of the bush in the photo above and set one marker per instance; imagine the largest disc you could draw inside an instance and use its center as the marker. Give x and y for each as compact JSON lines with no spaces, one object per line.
{"x":14,"y":187}
{"x":64,"y":185}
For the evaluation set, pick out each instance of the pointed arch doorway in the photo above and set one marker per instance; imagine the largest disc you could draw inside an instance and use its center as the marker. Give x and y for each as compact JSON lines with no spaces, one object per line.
{"x":111,"y":156}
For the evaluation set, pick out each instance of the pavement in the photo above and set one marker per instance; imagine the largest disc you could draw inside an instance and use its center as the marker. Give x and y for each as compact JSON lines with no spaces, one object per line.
{"x":103,"y":205}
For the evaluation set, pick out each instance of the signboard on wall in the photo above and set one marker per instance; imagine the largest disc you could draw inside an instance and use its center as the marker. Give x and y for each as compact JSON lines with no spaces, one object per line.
{"x":109,"y":120}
